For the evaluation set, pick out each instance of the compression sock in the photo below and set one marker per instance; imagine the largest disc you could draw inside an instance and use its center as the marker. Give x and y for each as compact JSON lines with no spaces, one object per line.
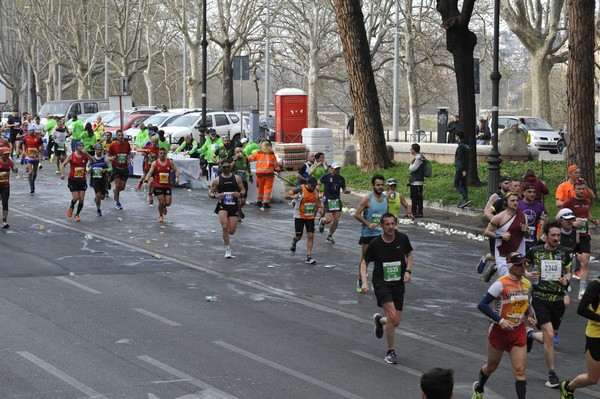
{"x":521,"y":386}
{"x":482,"y":380}
{"x":73,"y":204}
{"x":79,"y":207}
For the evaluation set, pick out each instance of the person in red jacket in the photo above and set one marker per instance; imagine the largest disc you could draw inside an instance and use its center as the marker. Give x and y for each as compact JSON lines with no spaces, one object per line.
{"x":540,"y":187}
{"x":266,"y":166}
{"x":6,"y":165}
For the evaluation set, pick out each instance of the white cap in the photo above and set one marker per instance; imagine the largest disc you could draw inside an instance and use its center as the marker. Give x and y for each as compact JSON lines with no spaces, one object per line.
{"x":244,"y":140}
{"x":565,"y":213}
{"x":336,"y":165}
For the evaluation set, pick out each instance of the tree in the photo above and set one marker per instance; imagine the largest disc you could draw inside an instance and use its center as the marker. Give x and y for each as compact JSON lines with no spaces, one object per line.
{"x":363,"y":90}
{"x":580,"y":93}
{"x":460,"y":41}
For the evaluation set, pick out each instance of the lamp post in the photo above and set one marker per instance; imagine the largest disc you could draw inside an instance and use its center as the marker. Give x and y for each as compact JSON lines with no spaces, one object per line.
{"x":493,"y":159}
{"x":185,"y":62}
{"x":267,"y":61}
{"x":106,"y":49}
{"x":204,"y":55}
{"x":395,"y":101}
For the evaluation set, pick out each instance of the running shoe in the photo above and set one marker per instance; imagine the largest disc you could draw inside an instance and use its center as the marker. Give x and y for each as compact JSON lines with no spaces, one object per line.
{"x":150,"y":199}
{"x":70,"y":212}
{"x":5,"y":225}
{"x":390,"y":357}
{"x":293,"y":249}
{"x":118,"y":206}
{"x":321,"y":225}
{"x":577,"y":274}
{"x":228,"y":254}
{"x":242,"y":214}
{"x":266,"y":205}
{"x":330,"y":240}
{"x":464,"y":203}
{"x":77,"y":218}
{"x":378,"y":326}
{"x":98,"y":213}
{"x":57,"y":172}
{"x":52,"y":158}
{"x":489,"y":271}
{"x":162,"y":219}
{"x":40,"y":167}
{"x":476,"y":394}
{"x":165,"y":211}
{"x":581,"y":292}
{"x":553,"y":381}
{"x":555,"y":338}
{"x":481,"y":265}
{"x":359,"y":286}
{"x":138,"y":186}
{"x":259,"y":204}
{"x":310,"y":260}
{"x":564,"y":393}
{"x":529,"y":340}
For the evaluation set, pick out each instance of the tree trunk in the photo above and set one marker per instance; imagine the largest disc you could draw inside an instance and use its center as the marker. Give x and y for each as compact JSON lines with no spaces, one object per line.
{"x":411,"y":76}
{"x":228,"y":102}
{"x":363,"y":91}
{"x":313,"y":70}
{"x":580,"y":91}
{"x":194,"y":79}
{"x":541,"y":67}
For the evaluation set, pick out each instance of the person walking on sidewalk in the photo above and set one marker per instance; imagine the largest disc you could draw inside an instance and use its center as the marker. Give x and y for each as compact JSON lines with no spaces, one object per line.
{"x":416,"y":178}
{"x":509,"y":316}
{"x":461,"y":167}
{"x":368,"y":213}
{"x":392,"y":257}
{"x":306,"y":207}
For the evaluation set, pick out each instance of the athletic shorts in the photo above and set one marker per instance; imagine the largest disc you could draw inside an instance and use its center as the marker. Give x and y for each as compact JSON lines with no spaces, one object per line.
{"x":162,"y":191}
{"x":593,"y":345}
{"x":12,"y":138}
{"x":365,"y":240}
{"x":300,"y":223}
{"x":548,"y":312}
{"x":119,"y":173}
{"x":506,"y":340}
{"x":232,"y":210}
{"x":77,"y":185}
{"x":4,"y":195}
{"x":99,"y":185}
{"x":585,"y":246}
{"x":34,"y":162}
{"x":389,"y":292}
{"x":326,"y":206}
{"x":59,"y":151}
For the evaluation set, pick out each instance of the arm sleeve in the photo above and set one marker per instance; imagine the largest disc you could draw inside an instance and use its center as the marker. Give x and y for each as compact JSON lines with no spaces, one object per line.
{"x":484,"y":305}
{"x":591,"y":297}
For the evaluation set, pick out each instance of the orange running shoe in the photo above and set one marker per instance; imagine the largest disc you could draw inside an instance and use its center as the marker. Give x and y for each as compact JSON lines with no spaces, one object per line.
{"x":165,"y":211}
{"x":161,"y":219}
{"x":77,"y":218}
{"x":70,"y":212}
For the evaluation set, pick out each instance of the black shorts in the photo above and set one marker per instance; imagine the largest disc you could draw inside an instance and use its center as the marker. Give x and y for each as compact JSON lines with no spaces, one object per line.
{"x":232,"y":210}
{"x":326,"y":206}
{"x":4,"y":195}
{"x":593,"y":345}
{"x":549,"y":312}
{"x":119,"y":173}
{"x":99,"y":185}
{"x":299,"y":224}
{"x":162,"y":191}
{"x":12,"y":138}
{"x":366,"y":240}
{"x":585,"y":246}
{"x":389,"y":292}
{"x":59,"y":151}
{"x":77,"y":185}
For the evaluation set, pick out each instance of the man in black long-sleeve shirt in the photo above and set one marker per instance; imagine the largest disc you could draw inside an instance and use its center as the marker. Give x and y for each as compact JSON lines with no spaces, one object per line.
{"x":461,"y":166}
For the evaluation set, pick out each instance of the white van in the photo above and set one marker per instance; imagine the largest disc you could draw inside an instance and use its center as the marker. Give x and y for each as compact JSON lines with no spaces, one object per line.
{"x":68,"y":108}
{"x":543,"y":136}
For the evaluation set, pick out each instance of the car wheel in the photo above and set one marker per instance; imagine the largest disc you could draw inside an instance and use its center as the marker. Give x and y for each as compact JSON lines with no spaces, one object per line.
{"x":560,"y":146}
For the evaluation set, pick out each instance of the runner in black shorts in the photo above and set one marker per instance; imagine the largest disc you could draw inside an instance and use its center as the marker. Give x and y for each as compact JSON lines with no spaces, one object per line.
{"x":306,"y":206}
{"x":77,"y":183}
{"x":98,"y":170}
{"x":391,"y":253}
{"x":160,"y":172}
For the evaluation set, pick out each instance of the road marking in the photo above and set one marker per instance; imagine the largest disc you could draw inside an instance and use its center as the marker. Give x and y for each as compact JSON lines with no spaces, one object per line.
{"x":61,"y":375}
{"x":78,"y":285}
{"x":215,"y":393}
{"x":157,"y":317}
{"x":289,"y":371}
{"x":380,"y":360}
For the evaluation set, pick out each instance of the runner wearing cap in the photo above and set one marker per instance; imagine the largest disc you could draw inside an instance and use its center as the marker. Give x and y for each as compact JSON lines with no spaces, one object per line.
{"x":566,"y":189}
{"x":77,"y":161}
{"x":581,"y":207}
{"x":98,"y":172}
{"x":119,"y":155}
{"x":305,"y":208}
{"x":508,"y":317}
{"x":368,"y":213}
{"x":6,"y":165}
{"x":32,"y":148}
{"x":333,"y":184}
{"x":395,"y":199}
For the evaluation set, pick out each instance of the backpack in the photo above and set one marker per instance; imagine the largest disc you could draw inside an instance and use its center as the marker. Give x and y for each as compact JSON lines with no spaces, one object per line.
{"x":428,"y":171}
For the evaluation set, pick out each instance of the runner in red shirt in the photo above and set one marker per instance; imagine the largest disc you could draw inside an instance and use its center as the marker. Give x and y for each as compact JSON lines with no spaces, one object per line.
{"x":150,"y":152}
{"x":33,"y":147}
{"x":77,"y":162}
{"x":6,"y":165}
{"x":119,"y":155}
{"x":160,"y":171}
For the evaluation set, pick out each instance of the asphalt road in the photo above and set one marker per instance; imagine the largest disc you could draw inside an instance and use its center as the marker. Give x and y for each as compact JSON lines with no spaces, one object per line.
{"x":133,"y":321}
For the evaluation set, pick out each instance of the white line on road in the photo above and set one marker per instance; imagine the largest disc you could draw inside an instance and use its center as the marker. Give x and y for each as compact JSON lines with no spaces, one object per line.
{"x":78,"y":285}
{"x":297,"y":374}
{"x":157,"y":317}
{"x":215,"y":393}
{"x":379,"y":360}
{"x":61,"y":375}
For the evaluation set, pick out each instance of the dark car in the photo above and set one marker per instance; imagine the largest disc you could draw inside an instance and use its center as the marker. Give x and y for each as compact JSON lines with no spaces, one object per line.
{"x":266,"y":129}
{"x":562,"y":143}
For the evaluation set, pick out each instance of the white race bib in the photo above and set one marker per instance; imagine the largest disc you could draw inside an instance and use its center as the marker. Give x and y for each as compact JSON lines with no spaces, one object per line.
{"x":551,"y":270}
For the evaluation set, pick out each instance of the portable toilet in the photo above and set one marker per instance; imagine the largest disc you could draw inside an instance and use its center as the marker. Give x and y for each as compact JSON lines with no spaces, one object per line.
{"x":291,"y":115}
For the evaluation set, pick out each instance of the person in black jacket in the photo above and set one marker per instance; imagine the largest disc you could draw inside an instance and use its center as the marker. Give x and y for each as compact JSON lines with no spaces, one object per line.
{"x":461,"y":166}
{"x":453,"y":128}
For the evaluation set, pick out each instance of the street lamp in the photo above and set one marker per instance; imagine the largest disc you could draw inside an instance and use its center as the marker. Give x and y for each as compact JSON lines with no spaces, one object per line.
{"x":395,"y":101}
{"x":267,"y":61}
{"x":204,"y":55}
{"x":493,"y":159}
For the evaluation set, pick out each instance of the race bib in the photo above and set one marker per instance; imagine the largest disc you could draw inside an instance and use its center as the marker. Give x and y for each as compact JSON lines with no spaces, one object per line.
{"x":60,"y":147}
{"x":392,"y":271}
{"x":551,"y":270}
{"x":375,"y":219}
{"x":584,"y":224}
{"x":122,"y":158}
{"x":96,"y":172}
{"x":32,"y":152}
{"x":241,"y":174}
{"x":79,"y":172}
{"x":228,"y":198}
{"x":333,"y":204}
{"x":163,"y":178}
{"x":3,"y":177}
{"x":309,"y":208}
{"x":518,"y":307}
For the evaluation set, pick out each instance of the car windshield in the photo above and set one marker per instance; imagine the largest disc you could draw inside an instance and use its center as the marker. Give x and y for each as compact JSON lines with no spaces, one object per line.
{"x":537,"y":124}
{"x":156,"y":120}
{"x":57,"y":108}
{"x":270,"y":123}
{"x":182,"y":121}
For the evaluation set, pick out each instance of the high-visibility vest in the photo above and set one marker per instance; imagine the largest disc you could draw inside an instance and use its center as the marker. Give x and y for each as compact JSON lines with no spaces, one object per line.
{"x":265,"y":163}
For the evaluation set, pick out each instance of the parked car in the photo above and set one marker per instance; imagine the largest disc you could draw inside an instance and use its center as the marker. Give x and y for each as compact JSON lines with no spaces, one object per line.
{"x":266,"y":128}
{"x":68,"y":108}
{"x":128,"y":122}
{"x":564,"y":132}
{"x":225,"y":123}
{"x":543,"y":136}
{"x":160,"y":120}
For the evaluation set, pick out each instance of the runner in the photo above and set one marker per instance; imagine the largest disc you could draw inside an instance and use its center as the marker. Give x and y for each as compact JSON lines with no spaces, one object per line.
{"x":333,"y":184}
{"x":228,"y":189}
{"x":160,"y":173}
{"x":32,"y":149}
{"x":14,"y":123}
{"x":6,"y":165}
{"x":150,"y":153}
{"x":99,"y":169}
{"x":512,"y":296}
{"x":306,"y":207}
{"x":77,"y":162}
{"x":391,"y":254}
{"x":395,"y":199}
{"x":535,"y":213}
{"x":59,"y":134}
{"x":119,"y":155}
{"x":241,"y":167}
{"x":369,"y":213}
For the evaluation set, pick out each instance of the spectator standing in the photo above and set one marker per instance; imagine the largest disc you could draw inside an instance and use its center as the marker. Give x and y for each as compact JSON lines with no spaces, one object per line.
{"x":482,"y":133}
{"x":266,"y":166}
{"x":540,"y":187}
{"x":416,"y":178}
{"x":453,"y":128}
{"x":461,"y":166}
{"x":350,"y":125}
